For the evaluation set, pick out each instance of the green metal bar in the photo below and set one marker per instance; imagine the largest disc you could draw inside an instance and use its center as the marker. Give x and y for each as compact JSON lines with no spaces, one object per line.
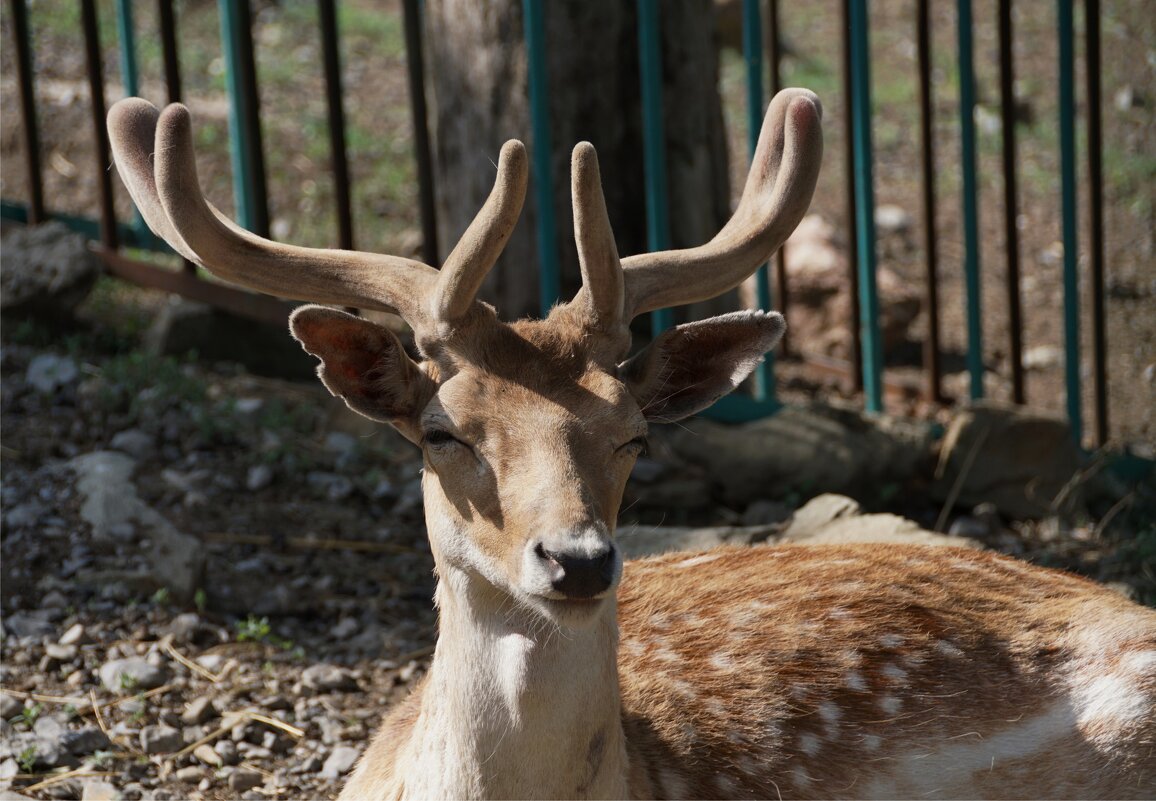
{"x":87,"y":226}
{"x":971,"y":274}
{"x":653,"y":141}
{"x":130,"y":76}
{"x":764,"y":375}
{"x":549,"y":283}
{"x":1068,"y":215}
{"x":127,"y":34}
{"x":865,"y":206}
{"x":235,"y":29}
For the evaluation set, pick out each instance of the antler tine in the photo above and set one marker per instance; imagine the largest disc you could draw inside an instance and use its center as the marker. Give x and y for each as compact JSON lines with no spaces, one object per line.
{"x":169,"y":197}
{"x":602,"y":283}
{"x":476,"y":252}
{"x":778,"y":191}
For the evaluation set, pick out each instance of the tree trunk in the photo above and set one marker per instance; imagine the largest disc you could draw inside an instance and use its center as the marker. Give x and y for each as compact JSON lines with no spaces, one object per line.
{"x":478,"y":76}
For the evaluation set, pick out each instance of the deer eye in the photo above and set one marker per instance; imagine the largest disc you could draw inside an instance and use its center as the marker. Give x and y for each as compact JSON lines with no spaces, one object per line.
{"x":439,"y":438}
{"x":638,"y":446}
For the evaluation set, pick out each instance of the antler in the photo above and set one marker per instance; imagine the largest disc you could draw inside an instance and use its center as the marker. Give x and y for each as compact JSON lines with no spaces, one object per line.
{"x":154,"y":153}
{"x":778,"y":191}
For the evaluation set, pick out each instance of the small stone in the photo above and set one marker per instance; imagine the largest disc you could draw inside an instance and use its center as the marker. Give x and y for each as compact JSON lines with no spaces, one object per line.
{"x":345,"y":628}
{"x":160,"y":740}
{"x":8,"y":769}
{"x":210,"y":757}
{"x":134,"y":442}
{"x":24,"y":515}
{"x":243,"y":779}
{"x":190,"y":775}
{"x":131,"y":675}
{"x":1042,"y":357}
{"x":82,"y":742}
{"x":341,"y":760}
{"x":53,"y":600}
{"x":10,"y":706}
{"x":328,"y":678}
{"x":61,"y":653}
{"x":200,"y":710}
{"x":185,"y":627}
{"x":227,"y":751}
{"x":259,"y":477}
{"x":97,"y":790}
{"x":409,"y":671}
{"x":48,"y":373}
{"x":892,"y":219}
{"x":29,"y":624}
{"x":76,"y":635}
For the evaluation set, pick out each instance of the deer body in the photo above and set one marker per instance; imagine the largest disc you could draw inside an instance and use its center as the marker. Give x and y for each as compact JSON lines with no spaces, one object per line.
{"x":841,"y":671}
{"x":879,"y":672}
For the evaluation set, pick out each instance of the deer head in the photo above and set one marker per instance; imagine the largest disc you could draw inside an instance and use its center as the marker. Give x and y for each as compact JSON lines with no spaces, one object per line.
{"x":529,"y":429}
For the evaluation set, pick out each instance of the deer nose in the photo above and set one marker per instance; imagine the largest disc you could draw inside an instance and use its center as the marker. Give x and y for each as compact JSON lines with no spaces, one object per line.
{"x":580,"y":574}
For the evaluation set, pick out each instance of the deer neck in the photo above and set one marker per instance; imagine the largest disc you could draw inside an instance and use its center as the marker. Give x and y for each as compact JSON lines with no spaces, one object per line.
{"x":515,"y":707}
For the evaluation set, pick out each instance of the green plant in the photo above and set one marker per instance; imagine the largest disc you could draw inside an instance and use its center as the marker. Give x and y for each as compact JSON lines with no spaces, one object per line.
{"x":162,"y":596}
{"x":253,"y":629}
{"x":128,"y":683}
{"x":27,"y":759}
{"x":30,"y":714}
{"x":200,"y":600}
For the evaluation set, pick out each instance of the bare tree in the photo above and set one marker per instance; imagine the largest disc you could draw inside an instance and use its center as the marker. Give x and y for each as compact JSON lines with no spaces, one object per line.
{"x":476,"y":59}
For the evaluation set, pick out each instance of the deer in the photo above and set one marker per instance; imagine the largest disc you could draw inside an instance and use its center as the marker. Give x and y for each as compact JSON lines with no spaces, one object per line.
{"x":559,"y":671}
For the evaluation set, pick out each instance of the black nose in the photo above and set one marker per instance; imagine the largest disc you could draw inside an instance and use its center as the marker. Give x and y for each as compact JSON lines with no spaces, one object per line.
{"x":580,"y":576}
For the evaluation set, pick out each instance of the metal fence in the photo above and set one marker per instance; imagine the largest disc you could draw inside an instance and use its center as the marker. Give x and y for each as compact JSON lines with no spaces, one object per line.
{"x":761,"y":36}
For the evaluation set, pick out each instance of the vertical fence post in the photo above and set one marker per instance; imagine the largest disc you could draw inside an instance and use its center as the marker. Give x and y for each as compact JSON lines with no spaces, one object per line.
{"x":126,"y":31}
{"x":331,"y":56}
{"x":415,"y":71}
{"x":865,"y":207}
{"x":1068,"y":212}
{"x":549,"y":286}
{"x":1096,"y":212}
{"x":108,"y":231}
{"x":244,"y":116}
{"x":774,"y":57}
{"x":852,"y":209}
{"x":931,"y":362}
{"x":970,"y":201}
{"x":168,"y":24}
{"x":23,"y":36}
{"x":1011,"y":207}
{"x":653,"y":141}
{"x":764,"y":376}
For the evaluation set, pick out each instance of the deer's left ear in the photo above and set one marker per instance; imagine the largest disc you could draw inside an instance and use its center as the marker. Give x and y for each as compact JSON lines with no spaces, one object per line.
{"x":689,"y":367}
{"x":365,"y":365}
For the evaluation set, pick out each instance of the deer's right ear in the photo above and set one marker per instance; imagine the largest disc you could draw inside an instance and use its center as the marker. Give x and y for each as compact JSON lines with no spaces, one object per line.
{"x":365,"y":365}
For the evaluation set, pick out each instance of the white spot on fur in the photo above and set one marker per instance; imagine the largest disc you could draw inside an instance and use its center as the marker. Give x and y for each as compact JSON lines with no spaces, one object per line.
{"x":830,"y":714}
{"x":839,"y":613}
{"x":722,"y":662}
{"x":672,"y":784}
{"x":664,"y":654}
{"x":684,"y":688}
{"x":727,"y":786}
{"x":1141,"y":662}
{"x":745,"y":618}
{"x":872,"y":742}
{"x":1111,"y":700}
{"x":633,"y":647}
{"x":891,"y":640}
{"x":890,"y":705}
{"x":894,"y":673}
{"x":854,"y":681}
{"x":800,"y":777}
{"x":716,"y":708}
{"x":659,"y":621}
{"x":809,"y":744}
{"x":696,"y":560}
{"x":944,"y":648}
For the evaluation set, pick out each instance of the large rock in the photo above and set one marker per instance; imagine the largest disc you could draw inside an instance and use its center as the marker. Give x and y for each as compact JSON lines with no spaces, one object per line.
{"x":830,"y":519}
{"x":110,"y":502}
{"x":48,"y":271}
{"x":1016,"y":459}
{"x":804,"y":451}
{"x":820,"y":310}
{"x":217,"y":335}
{"x":827,"y":519}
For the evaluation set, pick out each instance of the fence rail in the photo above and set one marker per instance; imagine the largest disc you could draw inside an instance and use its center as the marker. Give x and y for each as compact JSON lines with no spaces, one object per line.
{"x":762,"y":36}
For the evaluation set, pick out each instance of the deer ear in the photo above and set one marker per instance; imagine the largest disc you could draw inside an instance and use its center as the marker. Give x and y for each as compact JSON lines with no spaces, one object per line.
{"x":365,"y":365}
{"x":689,"y":367}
